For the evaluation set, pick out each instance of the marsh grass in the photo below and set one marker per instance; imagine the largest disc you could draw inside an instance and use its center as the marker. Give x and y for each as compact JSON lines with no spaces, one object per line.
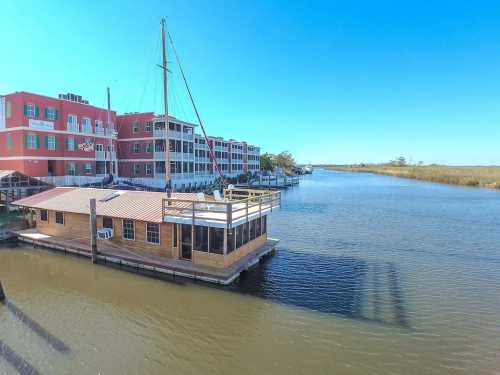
{"x":488,"y":177}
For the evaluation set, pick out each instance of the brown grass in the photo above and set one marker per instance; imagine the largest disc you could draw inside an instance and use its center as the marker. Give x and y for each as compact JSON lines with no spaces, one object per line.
{"x":488,"y":177}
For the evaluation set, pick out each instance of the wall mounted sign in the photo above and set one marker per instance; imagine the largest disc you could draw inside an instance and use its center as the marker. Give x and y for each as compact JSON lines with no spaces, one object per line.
{"x":86,"y":146}
{"x":41,"y":125}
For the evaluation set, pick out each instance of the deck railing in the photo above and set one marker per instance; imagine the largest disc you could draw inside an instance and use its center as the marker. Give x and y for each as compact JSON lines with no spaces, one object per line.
{"x":237,"y":204}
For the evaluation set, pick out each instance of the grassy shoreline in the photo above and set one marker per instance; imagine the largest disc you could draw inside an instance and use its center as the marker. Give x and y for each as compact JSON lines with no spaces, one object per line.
{"x":486,"y":177}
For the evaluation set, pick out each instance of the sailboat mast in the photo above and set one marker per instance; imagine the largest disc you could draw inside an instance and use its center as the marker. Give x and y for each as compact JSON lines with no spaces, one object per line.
{"x":110,"y":142}
{"x":165,"y":100}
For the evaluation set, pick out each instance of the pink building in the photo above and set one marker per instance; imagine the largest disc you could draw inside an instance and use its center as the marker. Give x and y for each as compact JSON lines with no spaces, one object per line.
{"x":63,"y":140}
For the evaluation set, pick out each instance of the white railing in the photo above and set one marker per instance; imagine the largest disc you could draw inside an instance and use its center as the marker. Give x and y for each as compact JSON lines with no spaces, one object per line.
{"x":72,"y":127}
{"x":71,"y":180}
{"x":100,"y":155}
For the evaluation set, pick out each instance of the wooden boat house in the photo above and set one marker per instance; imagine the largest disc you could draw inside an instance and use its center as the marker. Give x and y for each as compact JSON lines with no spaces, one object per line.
{"x":191,"y":234}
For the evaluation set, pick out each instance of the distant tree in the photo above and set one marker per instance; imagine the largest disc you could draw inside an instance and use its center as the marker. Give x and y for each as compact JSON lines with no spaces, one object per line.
{"x":266,"y":161}
{"x":284,"y":160}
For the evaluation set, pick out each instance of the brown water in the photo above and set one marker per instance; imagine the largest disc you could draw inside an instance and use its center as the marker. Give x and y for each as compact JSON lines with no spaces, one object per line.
{"x":373,"y":275}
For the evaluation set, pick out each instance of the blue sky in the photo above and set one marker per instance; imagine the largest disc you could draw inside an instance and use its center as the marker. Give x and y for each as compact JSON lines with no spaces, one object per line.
{"x":333,"y":81}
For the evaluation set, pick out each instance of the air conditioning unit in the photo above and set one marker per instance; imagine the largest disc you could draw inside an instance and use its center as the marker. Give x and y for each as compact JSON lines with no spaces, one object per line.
{"x":105,"y":233}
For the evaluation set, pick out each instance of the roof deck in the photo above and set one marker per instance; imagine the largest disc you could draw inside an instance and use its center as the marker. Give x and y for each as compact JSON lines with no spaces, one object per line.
{"x":237,"y":206}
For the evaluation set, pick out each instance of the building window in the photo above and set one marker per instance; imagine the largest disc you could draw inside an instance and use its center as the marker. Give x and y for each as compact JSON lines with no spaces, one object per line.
{"x":86,"y":125}
{"x":174,"y":235}
{"x":107,"y":222}
{"x":149,"y":169}
{"x":136,"y":127}
{"x":128,"y":229}
{"x":59,"y":217}
{"x":10,"y":142}
{"x":217,"y":240}
{"x":32,"y":141}
{"x":149,"y":147}
{"x":30,"y":110}
{"x":72,"y":123}
{"x":44,"y":216}
{"x":71,"y":169}
{"x":136,"y":148}
{"x":153,"y":233}
{"x":51,"y":142}
{"x":148,"y":126}
{"x":99,"y":147}
{"x":137,"y":169}
{"x":87,"y":168}
{"x":70,"y":144}
{"x":50,"y":113}
{"x":200,"y":238}
{"x":99,"y":128}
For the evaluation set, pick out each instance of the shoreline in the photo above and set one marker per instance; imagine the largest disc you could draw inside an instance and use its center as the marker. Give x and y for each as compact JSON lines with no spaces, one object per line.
{"x":483,"y":177}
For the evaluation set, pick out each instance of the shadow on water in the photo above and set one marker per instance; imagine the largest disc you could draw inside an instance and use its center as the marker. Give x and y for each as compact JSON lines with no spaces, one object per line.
{"x":341,"y":285}
{"x":17,"y":362}
{"x":53,"y":341}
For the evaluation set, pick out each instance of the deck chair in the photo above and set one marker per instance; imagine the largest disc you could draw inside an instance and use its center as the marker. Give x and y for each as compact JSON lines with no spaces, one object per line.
{"x":201,"y":198}
{"x":217,"y":196}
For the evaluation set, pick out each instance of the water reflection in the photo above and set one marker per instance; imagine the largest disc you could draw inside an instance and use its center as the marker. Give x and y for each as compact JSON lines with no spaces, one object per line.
{"x":343,"y":285}
{"x":16,"y":361}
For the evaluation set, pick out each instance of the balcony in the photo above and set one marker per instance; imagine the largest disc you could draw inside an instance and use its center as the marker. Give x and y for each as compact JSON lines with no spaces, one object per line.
{"x":238,"y":206}
{"x":73,"y":127}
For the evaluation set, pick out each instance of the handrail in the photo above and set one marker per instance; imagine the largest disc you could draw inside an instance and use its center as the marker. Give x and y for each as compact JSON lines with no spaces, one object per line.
{"x":190,"y":207}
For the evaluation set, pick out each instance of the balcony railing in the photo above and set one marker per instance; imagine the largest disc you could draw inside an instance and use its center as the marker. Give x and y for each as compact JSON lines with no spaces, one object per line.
{"x":238,"y":206}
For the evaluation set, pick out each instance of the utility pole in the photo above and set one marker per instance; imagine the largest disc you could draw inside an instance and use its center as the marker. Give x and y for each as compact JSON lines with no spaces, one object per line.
{"x":165,"y":100}
{"x":93,"y":231}
{"x":2,"y":294}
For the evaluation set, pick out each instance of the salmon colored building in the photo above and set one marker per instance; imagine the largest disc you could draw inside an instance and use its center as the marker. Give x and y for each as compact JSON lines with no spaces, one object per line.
{"x":62,"y":140}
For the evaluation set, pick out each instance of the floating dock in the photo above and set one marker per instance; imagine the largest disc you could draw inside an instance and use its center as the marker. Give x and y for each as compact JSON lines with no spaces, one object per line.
{"x":150,"y":263}
{"x":272,"y":182}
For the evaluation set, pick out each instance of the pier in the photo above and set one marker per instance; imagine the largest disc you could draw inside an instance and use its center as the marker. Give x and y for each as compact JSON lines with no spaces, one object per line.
{"x":141,"y":261}
{"x":271,"y":182}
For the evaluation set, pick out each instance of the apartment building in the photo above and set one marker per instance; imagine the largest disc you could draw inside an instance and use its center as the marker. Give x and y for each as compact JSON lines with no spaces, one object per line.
{"x":67,"y":141}
{"x":62,"y":140}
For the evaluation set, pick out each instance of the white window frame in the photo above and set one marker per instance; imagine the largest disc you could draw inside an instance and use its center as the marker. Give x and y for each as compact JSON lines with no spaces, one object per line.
{"x":159,"y":234}
{"x":86,"y":125}
{"x":71,"y":142}
{"x":73,"y":168}
{"x":99,"y":147}
{"x":136,"y":148}
{"x":123,"y":229}
{"x":99,"y":127}
{"x":148,"y":169}
{"x":30,"y":110}
{"x":73,"y":123}
{"x":63,"y":218}
{"x":134,"y":169}
{"x":51,"y":142}
{"x":31,"y":142}
{"x":51,"y":113}
{"x":85,"y":170}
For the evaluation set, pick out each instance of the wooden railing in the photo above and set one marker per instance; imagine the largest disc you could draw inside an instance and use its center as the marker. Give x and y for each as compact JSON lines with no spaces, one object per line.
{"x":237,"y":204}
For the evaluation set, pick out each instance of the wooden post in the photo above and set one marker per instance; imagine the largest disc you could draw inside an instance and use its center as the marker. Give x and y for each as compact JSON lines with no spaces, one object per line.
{"x":2,"y":294}
{"x":93,"y":231}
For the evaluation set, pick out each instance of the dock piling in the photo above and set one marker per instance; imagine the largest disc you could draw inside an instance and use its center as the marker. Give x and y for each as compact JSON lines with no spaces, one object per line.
{"x":2,"y":294}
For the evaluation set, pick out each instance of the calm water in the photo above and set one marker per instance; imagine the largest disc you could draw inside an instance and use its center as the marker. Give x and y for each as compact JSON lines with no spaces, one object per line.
{"x":373,"y":275}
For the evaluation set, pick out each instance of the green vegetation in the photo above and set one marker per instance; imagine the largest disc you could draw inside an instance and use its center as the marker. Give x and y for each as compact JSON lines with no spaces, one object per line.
{"x":488,"y":177}
{"x":283,"y":160}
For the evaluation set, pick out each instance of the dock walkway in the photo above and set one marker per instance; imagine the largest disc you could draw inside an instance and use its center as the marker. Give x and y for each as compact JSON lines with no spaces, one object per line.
{"x":144,"y":261}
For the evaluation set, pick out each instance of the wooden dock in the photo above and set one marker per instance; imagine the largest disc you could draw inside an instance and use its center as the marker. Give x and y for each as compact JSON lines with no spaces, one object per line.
{"x":149,"y":263}
{"x":271,"y":182}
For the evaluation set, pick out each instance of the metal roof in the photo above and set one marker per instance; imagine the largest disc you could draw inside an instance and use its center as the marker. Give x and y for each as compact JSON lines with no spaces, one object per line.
{"x":136,"y":205}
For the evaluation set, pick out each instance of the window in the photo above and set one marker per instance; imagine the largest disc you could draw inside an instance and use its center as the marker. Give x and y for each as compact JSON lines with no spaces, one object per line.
{"x":128,"y":229}
{"x":148,"y":126}
{"x":86,"y":125}
{"x":136,"y":148}
{"x":32,"y":141}
{"x":50,"y":142}
{"x":44,"y":215}
{"x":200,"y":238}
{"x":137,"y":169}
{"x":72,"y":123}
{"x":99,"y":128}
{"x":174,"y":235}
{"x":149,"y":147}
{"x":99,"y":147}
{"x":30,"y":110}
{"x":50,"y":114}
{"x":153,"y":233}
{"x":136,"y":127}
{"x":70,"y":144}
{"x":59,"y":217}
{"x":107,"y":222}
{"x":71,"y":169}
{"x":10,"y":142}
{"x":217,"y":240}
{"x":87,"y":168}
{"x":149,"y":169}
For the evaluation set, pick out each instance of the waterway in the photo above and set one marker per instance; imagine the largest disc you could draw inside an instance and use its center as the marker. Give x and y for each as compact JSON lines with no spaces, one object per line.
{"x":373,"y":274}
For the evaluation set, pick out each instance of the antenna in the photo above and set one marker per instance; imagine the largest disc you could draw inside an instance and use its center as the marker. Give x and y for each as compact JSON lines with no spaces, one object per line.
{"x":165,"y":100}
